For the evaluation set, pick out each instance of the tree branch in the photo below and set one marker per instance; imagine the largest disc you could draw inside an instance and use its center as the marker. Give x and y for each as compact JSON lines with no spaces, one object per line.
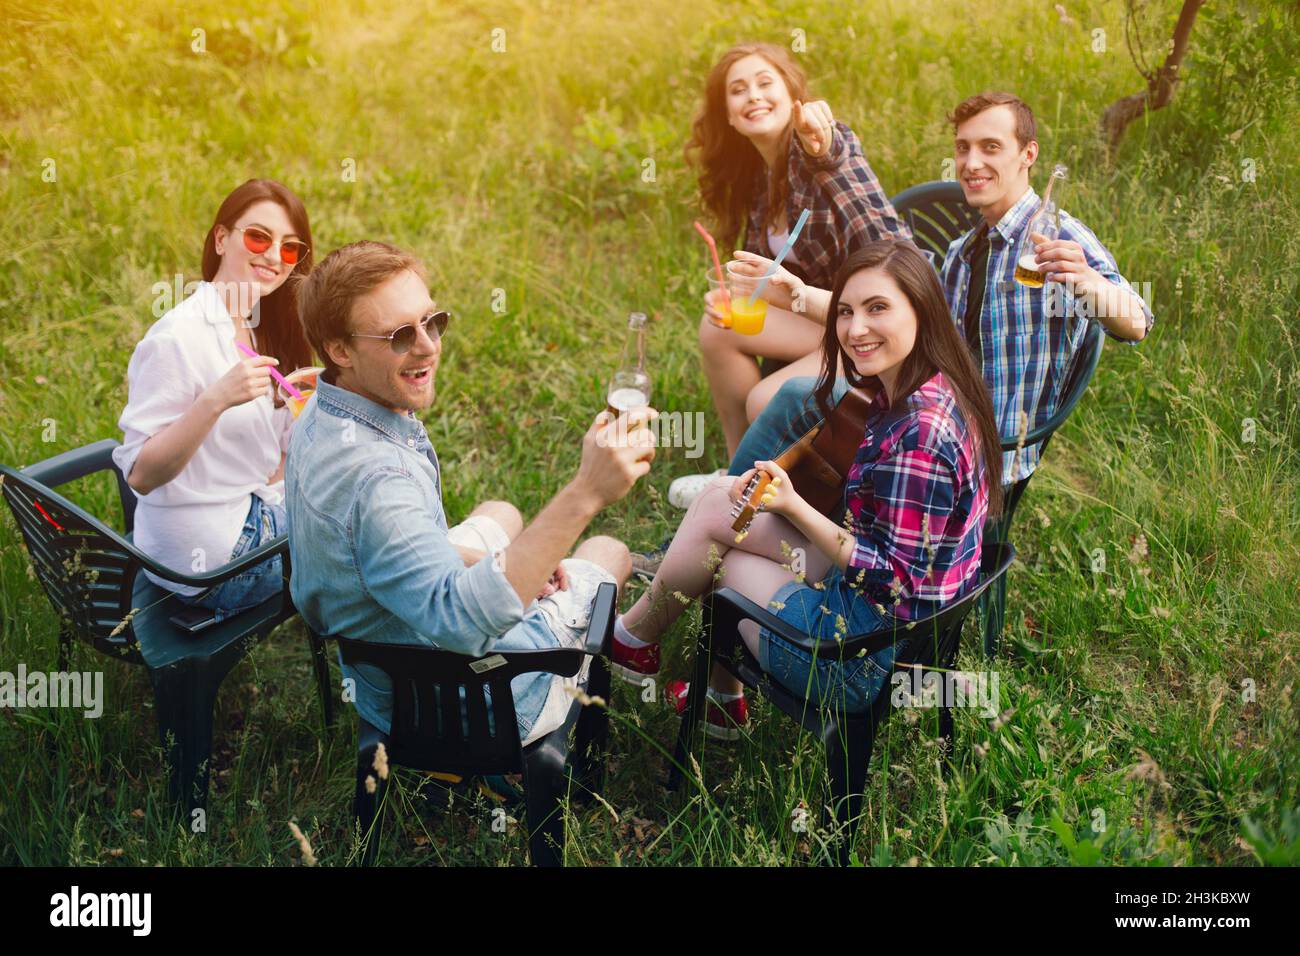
{"x":1160,"y":84}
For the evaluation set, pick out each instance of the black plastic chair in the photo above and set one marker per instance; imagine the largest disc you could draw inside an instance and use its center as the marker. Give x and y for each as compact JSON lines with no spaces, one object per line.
{"x":930,"y":644}
{"x":93,"y":578}
{"x":937,"y":213}
{"x":1082,"y":367}
{"x":430,"y":732}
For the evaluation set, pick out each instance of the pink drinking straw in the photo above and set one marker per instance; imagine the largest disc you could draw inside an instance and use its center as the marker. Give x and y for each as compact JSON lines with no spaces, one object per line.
{"x":713,"y":248}
{"x":274,"y":374}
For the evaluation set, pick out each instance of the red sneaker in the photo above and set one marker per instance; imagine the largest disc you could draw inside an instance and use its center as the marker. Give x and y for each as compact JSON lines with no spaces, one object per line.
{"x":634,"y":664}
{"x":722,"y":721}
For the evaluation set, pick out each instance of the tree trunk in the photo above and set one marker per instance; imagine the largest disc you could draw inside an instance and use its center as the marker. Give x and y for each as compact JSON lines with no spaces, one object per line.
{"x":1160,"y":85}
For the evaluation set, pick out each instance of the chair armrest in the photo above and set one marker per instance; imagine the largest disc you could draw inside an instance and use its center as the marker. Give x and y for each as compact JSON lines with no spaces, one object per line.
{"x":742,"y":608}
{"x":80,"y":462}
{"x":870,"y":642}
{"x":73,"y":464}
{"x":420,"y":660}
{"x":262,"y":552}
{"x":424,"y":662}
{"x":601,"y":625}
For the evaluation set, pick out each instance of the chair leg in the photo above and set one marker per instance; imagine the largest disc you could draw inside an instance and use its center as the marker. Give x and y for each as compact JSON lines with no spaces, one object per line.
{"x":65,"y":649}
{"x":184,"y":697}
{"x":695,"y":698}
{"x":321,"y":665}
{"x":994,"y":606}
{"x":367,"y":807}
{"x":544,"y":779}
{"x":592,"y":739}
{"x":848,"y":753}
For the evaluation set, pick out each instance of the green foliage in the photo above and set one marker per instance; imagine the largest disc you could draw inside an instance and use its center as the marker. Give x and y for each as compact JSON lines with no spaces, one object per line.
{"x":1147,"y":709}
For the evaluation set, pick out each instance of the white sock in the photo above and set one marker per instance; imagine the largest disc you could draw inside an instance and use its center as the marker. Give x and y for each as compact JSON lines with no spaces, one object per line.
{"x":625,"y":636}
{"x":722,"y":698}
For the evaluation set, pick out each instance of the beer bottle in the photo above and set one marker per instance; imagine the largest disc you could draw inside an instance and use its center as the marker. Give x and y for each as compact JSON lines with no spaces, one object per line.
{"x":1046,"y":221}
{"x":630,"y":385}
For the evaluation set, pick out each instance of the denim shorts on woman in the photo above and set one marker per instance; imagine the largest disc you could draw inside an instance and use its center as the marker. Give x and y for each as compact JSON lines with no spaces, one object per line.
{"x":851,"y":686}
{"x":261,"y":581}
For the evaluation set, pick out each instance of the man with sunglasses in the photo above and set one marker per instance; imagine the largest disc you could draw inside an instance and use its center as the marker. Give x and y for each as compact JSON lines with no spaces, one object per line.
{"x":373,"y":557}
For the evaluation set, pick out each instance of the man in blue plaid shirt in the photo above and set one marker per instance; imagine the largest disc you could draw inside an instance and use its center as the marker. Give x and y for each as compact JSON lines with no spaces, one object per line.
{"x":1024,"y":338}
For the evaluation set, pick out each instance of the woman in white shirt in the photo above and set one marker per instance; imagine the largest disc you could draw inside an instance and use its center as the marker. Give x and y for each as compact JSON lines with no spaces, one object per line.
{"x":204,"y":435}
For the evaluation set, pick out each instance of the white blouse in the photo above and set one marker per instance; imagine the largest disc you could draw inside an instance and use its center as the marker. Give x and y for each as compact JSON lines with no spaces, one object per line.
{"x":192,"y":523}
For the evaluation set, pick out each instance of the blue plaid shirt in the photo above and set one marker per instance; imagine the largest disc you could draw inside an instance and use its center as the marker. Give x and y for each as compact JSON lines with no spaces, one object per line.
{"x":1025,"y":347}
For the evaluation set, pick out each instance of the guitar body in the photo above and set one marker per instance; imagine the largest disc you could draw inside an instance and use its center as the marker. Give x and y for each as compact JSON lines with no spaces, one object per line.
{"x":817,"y":463}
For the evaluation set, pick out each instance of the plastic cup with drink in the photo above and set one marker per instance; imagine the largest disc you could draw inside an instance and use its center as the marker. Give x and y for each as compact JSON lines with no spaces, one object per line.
{"x":304,"y":382}
{"x":747,"y":311}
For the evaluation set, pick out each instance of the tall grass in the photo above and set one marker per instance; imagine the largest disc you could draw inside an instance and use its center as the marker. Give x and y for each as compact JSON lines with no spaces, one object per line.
{"x":1126,"y":735}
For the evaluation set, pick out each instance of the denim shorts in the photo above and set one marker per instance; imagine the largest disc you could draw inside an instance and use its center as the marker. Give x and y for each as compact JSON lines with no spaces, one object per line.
{"x":260,"y":582}
{"x":851,"y":686}
{"x":786,"y":417}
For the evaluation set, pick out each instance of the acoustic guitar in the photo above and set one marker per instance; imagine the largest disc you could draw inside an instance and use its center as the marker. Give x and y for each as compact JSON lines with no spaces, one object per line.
{"x":817,"y":463}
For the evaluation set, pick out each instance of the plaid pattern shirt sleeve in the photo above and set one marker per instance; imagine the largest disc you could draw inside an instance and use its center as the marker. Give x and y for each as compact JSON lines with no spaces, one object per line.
{"x":917,"y":504}
{"x":848,"y":208}
{"x":1099,"y":258}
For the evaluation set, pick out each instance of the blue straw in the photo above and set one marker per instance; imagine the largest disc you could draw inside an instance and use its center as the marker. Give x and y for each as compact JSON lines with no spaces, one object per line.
{"x":794,"y":234}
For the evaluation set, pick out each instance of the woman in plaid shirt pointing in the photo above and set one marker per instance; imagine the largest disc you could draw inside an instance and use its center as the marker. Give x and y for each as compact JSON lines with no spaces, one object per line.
{"x":923,"y":480}
{"x":766,"y":152}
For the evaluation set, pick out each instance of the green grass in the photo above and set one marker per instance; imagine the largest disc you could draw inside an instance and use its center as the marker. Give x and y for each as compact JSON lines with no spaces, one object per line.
{"x":1127,"y":739}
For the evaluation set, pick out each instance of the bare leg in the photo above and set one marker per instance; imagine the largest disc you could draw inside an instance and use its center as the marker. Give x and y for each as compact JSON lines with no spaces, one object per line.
{"x":610,"y":554}
{"x":757,"y":567}
{"x":731,"y":366}
{"x":504,"y":514}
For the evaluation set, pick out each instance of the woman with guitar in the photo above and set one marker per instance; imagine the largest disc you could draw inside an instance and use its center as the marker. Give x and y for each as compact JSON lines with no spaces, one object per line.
{"x":921,"y":481}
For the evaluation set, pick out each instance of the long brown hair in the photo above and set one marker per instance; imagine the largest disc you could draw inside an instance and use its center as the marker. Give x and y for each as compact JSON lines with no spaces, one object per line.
{"x":731,"y":168}
{"x":939,"y":347}
{"x":279,"y":333}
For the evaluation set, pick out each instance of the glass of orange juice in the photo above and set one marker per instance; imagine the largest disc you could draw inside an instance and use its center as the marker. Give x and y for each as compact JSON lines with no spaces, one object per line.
{"x":746,"y":315}
{"x":304,"y":380}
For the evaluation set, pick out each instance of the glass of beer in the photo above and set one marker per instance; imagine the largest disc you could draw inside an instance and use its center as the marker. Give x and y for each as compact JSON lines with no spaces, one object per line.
{"x":304,"y":380}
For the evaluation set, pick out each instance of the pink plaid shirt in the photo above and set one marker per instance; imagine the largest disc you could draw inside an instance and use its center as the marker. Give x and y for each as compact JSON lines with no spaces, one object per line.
{"x":916,"y":496}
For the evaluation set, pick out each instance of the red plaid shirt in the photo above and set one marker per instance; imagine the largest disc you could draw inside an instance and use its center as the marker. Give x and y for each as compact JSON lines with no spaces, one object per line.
{"x":916,"y":497}
{"x":848,"y":207}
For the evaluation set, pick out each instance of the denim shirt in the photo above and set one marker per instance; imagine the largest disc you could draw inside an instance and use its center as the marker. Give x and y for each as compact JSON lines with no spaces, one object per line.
{"x":368,"y":539}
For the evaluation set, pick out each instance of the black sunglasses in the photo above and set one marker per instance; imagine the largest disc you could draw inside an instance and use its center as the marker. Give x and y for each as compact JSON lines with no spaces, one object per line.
{"x":402,"y":339}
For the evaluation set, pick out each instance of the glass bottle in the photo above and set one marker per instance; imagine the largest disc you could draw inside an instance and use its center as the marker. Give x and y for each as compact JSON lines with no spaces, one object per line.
{"x":1045,"y":222}
{"x":630,"y":385}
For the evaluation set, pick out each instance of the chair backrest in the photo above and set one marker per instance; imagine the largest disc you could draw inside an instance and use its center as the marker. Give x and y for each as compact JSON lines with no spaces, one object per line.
{"x":86,"y":568}
{"x":934,"y":641}
{"x":442,"y":718}
{"x":937,"y":213}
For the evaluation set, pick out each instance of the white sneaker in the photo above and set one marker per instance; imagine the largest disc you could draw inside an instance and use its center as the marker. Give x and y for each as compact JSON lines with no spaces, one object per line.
{"x":686,"y":489}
